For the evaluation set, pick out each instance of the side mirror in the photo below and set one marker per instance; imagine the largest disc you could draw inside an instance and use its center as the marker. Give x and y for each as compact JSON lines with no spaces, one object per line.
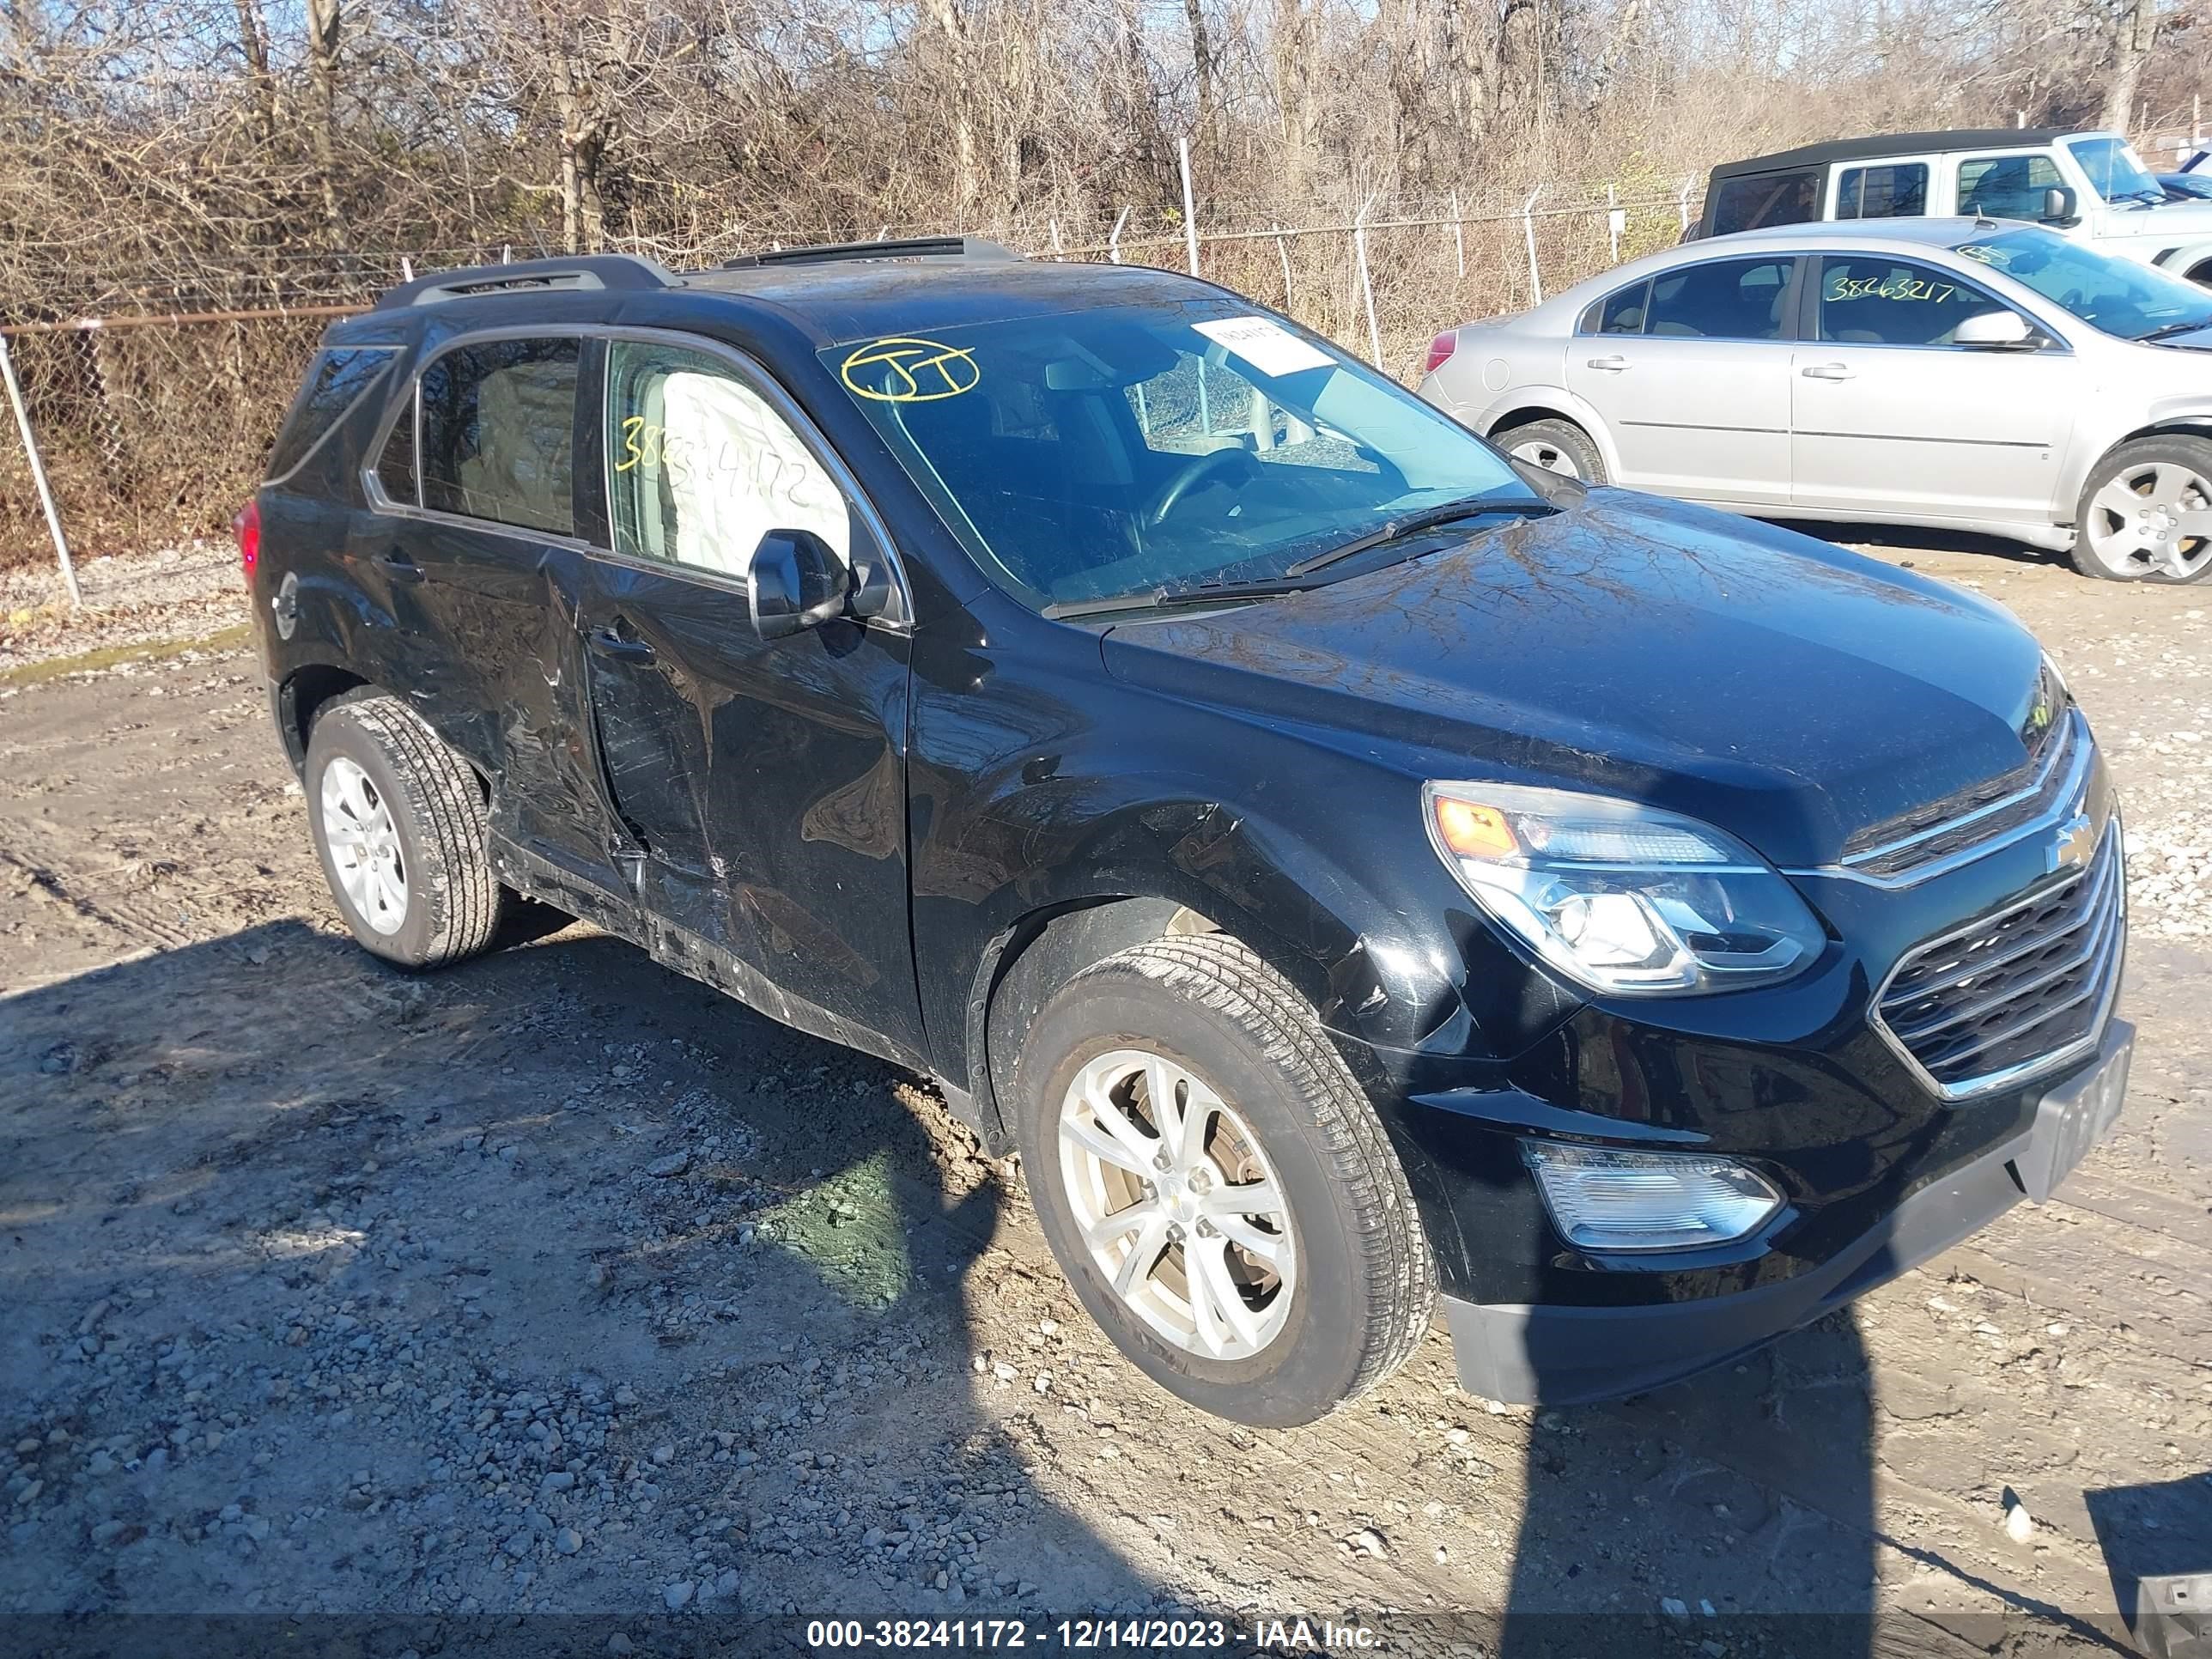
{"x":796,"y":582}
{"x":1996,"y":330}
{"x":2058,"y":205}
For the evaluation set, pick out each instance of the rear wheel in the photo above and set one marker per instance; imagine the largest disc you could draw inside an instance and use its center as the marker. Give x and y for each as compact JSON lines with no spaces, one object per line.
{"x":398,"y":822}
{"x":1216,"y":1186}
{"x":2146,"y":513}
{"x":1558,"y":447}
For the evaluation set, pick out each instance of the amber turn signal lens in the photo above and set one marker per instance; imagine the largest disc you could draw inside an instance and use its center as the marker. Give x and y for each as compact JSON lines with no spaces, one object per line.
{"x":1475,"y":832}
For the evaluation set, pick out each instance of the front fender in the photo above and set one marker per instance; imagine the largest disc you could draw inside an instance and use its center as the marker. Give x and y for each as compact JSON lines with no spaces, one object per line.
{"x":2185,"y":259}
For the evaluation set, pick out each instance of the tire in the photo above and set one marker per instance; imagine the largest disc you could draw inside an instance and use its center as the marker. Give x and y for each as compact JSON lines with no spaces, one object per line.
{"x":1360,"y":1280}
{"x":1555,"y":445}
{"x":2129,"y":525}
{"x":369,"y":750}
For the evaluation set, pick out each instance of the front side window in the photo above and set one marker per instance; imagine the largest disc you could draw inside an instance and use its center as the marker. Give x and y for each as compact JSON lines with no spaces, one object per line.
{"x":1895,"y":190}
{"x":1876,"y":300}
{"x":335,"y":380}
{"x":700,"y":467}
{"x":1620,"y":312}
{"x":1722,"y":300}
{"x":2005,"y":186}
{"x":1122,"y":450}
{"x":2130,"y":300}
{"x":498,"y":423}
{"x":2116,"y":173}
{"x":1767,"y":198}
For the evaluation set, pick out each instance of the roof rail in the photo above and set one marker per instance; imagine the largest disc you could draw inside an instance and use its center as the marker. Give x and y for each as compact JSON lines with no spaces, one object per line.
{"x":594,"y":270}
{"x":904,"y":247}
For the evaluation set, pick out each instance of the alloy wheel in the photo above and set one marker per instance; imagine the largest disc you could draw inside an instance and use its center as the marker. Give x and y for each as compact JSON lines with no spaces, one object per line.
{"x":2153,"y":519}
{"x":364,"y":843}
{"x":1177,"y":1205}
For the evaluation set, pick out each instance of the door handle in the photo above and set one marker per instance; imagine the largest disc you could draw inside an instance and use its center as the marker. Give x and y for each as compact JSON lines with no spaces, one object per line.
{"x":622,"y":647}
{"x":1611,"y":365}
{"x":398,"y":567}
{"x":1830,"y":372}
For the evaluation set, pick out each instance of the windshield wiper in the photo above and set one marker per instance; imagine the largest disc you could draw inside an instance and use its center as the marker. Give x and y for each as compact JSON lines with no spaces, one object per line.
{"x":2167,"y":330}
{"x":1161,"y":597}
{"x":1411,"y":524}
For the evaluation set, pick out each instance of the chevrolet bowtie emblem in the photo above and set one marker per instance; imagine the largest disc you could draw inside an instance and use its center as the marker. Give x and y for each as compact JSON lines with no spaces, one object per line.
{"x":2076,"y":843}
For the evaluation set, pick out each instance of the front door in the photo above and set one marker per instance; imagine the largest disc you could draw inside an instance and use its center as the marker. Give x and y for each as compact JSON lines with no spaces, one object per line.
{"x":765,"y":781}
{"x":1696,"y":395}
{"x":1889,"y":415}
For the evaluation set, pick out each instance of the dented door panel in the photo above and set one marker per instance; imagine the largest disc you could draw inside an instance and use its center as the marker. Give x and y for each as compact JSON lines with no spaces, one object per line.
{"x":766,"y":783}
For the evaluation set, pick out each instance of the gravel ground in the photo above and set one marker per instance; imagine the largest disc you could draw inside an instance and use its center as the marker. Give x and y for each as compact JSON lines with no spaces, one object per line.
{"x":556,"y":1283}
{"x":130,"y":600}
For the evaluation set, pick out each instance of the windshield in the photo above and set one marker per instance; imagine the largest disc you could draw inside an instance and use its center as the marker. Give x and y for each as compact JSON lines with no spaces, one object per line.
{"x":2114,"y":170}
{"x":1121,"y":451}
{"x":2118,"y":295}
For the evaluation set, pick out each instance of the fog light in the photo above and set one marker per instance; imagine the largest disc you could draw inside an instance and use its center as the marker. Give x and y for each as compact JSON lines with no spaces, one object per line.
{"x":1602,"y":1200}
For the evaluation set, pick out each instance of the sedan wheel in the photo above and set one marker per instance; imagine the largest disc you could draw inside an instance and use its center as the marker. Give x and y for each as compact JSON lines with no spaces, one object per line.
{"x":2147,"y":515}
{"x":1178,"y":1205}
{"x":1539,"y":452}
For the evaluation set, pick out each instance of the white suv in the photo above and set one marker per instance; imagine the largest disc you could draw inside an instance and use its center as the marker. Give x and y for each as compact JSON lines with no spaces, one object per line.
{"x":2087,"y":186}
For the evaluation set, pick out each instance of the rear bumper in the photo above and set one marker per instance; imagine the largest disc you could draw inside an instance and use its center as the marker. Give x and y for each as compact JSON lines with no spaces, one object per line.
{"x":1567,"y":1356}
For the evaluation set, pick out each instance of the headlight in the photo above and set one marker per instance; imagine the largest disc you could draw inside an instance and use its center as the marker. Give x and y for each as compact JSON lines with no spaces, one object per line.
{"x":1622,"y":898}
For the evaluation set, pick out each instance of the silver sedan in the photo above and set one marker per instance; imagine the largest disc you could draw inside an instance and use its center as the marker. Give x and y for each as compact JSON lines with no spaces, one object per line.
{"x":1960,"y":374}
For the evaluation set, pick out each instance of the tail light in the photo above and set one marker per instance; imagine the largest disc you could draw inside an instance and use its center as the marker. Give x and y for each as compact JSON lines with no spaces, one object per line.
{"x":246,"y":526}
{"x":1441,"y":349}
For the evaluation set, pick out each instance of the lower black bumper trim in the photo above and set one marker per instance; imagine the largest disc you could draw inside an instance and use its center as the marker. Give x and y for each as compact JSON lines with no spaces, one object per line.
{"x":1571,"y":1355}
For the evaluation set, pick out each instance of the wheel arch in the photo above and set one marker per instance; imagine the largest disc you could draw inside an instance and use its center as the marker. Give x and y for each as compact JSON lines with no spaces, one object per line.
{"x":1026,"y":963}
{"x":302,"y":694}
{"x":2192,"y":423}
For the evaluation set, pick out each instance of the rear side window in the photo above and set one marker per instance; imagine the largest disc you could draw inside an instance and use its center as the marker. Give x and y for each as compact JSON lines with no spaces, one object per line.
{"x":1896,"y":190}
{"x":395,"y":467}
{"x":1724,"y":300}
{"x":335,"y":380}
{"x":1766,"y":198}
{"x":498,"y":424}
{"x":2005,"y":186}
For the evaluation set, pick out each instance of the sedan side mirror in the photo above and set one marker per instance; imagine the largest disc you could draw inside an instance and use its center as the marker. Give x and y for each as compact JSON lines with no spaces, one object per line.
{"x":796,"y":583}
{"x":2058,"y":205}
{"x":1996,"y":330}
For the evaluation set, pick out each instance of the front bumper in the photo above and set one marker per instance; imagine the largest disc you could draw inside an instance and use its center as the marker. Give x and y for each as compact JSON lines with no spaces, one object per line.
{"x":1568,"y":1355}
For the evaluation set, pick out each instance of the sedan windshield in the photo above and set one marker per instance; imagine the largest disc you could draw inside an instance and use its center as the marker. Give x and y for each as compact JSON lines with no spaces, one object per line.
{"x":1161,"y":448}
{"x":2113,"y":167}
{"x":2119,"y":296}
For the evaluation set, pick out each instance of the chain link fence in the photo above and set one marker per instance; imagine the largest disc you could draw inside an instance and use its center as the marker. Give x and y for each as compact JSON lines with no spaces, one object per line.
{"x":153,"y":396}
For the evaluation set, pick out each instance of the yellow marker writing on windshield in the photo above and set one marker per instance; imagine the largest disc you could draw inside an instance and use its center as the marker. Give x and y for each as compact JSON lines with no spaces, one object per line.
{"x":912,"y":370}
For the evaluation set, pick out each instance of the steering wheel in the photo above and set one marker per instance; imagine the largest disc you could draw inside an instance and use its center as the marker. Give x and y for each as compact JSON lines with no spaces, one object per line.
{"x":1189,"y":476}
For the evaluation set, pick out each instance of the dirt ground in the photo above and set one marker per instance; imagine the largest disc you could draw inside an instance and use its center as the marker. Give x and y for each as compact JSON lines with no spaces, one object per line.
{"x":556,"y":1283}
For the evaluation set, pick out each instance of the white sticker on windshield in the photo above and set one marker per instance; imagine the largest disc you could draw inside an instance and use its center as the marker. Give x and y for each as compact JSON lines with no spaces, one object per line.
{"x":1265,"y":344}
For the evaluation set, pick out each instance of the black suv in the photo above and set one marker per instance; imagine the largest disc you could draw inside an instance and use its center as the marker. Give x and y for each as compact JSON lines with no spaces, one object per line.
{"x":1347,"y":867}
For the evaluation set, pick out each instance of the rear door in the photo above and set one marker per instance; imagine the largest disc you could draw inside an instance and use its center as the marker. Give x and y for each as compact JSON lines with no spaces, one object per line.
{"x":475,"y":489}
{"x":1691,"y":375}
{"x":1890,"y":415}
{"x":764,"y":779}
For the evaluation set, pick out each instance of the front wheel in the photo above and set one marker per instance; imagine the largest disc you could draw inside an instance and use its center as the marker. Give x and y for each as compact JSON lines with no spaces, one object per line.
{"x":2146,"y":513}
{"x":1216,"y":1186}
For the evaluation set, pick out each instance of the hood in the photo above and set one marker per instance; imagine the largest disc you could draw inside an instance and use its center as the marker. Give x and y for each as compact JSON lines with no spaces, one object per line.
{"x":1785,"y":690}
